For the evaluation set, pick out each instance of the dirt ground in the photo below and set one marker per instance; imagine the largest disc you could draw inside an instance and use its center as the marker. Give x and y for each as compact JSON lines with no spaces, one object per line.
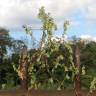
{"x":21,"y":92}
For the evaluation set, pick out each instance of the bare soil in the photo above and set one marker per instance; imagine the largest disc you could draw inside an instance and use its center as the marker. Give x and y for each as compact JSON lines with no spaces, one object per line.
{"x":21,"y":92}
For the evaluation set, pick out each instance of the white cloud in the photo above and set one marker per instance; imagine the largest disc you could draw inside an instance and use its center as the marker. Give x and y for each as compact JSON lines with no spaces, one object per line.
{"x":15,"y":13}
{"x":88,"y":37}
{"x":94,"y":39}
{"x":85,"y":36}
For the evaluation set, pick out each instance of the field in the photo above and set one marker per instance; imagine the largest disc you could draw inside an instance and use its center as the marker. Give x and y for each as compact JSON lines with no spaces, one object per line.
{"x":46,"y":61}
{"x":39,"y":93}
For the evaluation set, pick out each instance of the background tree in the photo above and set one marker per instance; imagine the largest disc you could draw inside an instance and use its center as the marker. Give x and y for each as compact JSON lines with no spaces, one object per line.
{"x":88,"y":55}
{"x":5,"y":43}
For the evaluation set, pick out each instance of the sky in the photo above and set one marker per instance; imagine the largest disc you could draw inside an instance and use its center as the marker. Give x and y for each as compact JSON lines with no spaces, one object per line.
{"x":80,"y":13}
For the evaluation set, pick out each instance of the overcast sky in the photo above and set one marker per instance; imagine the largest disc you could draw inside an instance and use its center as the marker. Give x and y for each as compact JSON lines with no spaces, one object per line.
{"x":80,"y":13}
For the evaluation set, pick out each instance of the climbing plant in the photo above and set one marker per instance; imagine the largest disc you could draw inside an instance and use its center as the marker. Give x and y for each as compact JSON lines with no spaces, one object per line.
{"x":51,"y":65}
